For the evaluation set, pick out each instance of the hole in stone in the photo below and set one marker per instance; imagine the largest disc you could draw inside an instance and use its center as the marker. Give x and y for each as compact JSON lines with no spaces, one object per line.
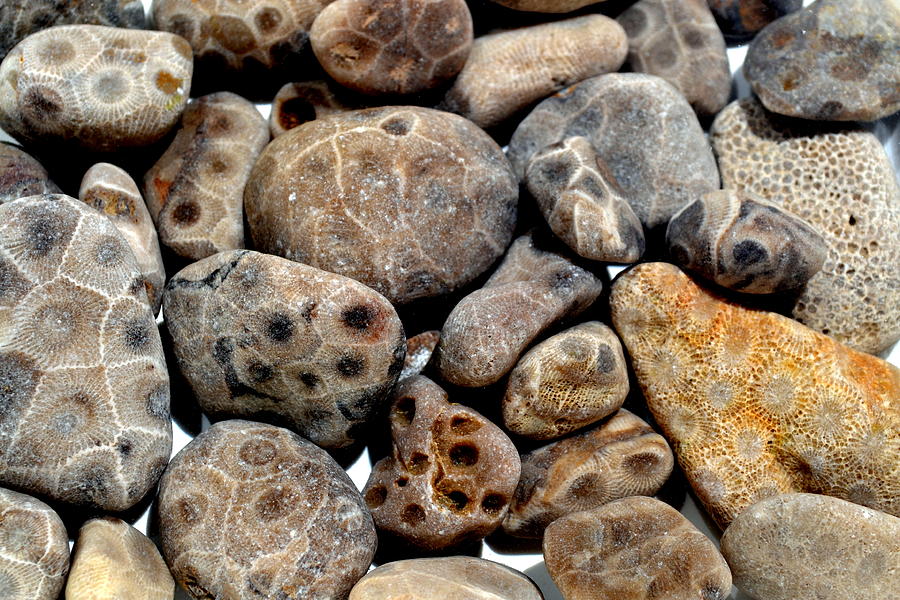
{"x":296,"y":111}
{"x":462,"y":425}
{"x":852,"y":220}
{"x":412,"y":515}
{"x":464,"y":455}
{"x":418,"y":463}
{"x":454,"y":500}
{"x":405,"y":410}
{"x":493,"y":503}
{"x":376,"y":496}
{"x":402,"y":482}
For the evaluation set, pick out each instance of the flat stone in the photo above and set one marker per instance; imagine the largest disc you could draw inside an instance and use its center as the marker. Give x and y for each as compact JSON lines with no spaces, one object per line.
{"x":840,"y":181}
{"x":73,"y":83}
{"x":642,"y":128}
{"x":620,"y":457}
{"x":82,"y":375}
{"x":302,"y":101}
{"x":260,"y":336}
{"x":112,"y":561}
{"x":251,"y":510}
{"x":811,"y":546}
{"x":451,"y":473}
{"x":835,"y":60}
{"x":740,"y":20}
{"x":410,"y":201}
{"x":634,"y":549}
{"x":21,"y":175}
{"x":756,"y":404}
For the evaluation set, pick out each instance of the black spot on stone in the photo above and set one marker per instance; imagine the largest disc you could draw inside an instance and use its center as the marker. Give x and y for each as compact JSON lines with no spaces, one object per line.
{"x":606,"y":360}
{"x":310,"y":380}
{"x":222,"y":350}
{"x":124,"y":447}
{"x":562,"y":280}
{"x":280,"y":327}
{"x":748,"y":252}
{"x":18,"y":378}
{"x":556,"y":173}
{"x":260,"y":372}
{"x":296,"y":111}
{"x":396,"y":126}
{"x":42,"y":236}
{"x":186,"y":213}
{"x":158,"y":402}
{"x":351,"y":366}
{"x":397,"y":359}
{"x":829,"y":110}
{"x":358,"y":317}
{"x":136,"y":334}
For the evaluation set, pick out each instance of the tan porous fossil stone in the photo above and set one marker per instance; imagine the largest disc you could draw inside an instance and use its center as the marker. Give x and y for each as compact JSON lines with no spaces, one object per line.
{"x":411,"y":201}
{"x":114,"y":561}
{"x":756,"y":404}
{"x":94,"y":87}
{"x":302,"y":101}
{"x":250,"y":510}
{"x":620,"y":457}
{"x":21,"y":175}
{"x":82,"y":374}
{"x":451,"y":473}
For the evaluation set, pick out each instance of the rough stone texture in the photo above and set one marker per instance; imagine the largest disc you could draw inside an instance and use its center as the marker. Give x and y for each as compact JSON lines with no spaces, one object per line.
{"x":260,"y":336}
{"x":679,"y":41}
{"x":249,"y":511}
{"x":745,"y":243}
{"x":836,"y":60}
{"x":566,"y":382}
{"x":741,"y":19}
{"x":83,"y":381}
{"x":34,"y":548}
{"x":841,"y":182}
{"x":392,"y":46}
{"x":547,"y":6}
{"x":445,"y":578}
{"x":297,"y":103}
{"x":507,"y":71}
{"x":195,"y":191}
{"x":531,"y":290}
{"x":583,"y":203}
{"x":755,"y":404}
{"x":419,"y":350}
{"x":21,"y":175}
{"x":113,"y":192}
{"x":411,"y":201}
{"x":451,"y":473}
{"x":642,"y":128}
{"x":21,"y":18}
{"x":618,"y":458}
{"x":810,"y":546}
{"x":98,"y":88}
{"x":114,"y":561}
{"x":634,"y":549}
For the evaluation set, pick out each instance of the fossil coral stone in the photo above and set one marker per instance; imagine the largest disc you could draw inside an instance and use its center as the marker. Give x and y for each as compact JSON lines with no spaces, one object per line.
{"x":566,"y":382}
{"x":419,"y":350}
{"x":195,"y":191}
{"x":83,"y":382}
{"x":302,"y":101}
{"x":642,"y":128}
{"x":509,"y":70}
{"x":113,"y":192}
{"x":745,"y":243}
{"x":258,"y":335}
{"x":451,"y":473}
{"x":742,"y":19}
{"x":634,"y":549}
{"x":34,"y":547}
{"x":114,"y":561}
{"x":249,"y":511}
{"x":445,"y":578}
{"x":583,"y":203}
{"x":841,"y":182}
{"x":620,"y":457}
{"x":98,"y":88}
{"x":811,"y":546}
{"x":21,"y":175}
{"x":392,"y":46}
{"x":679,"y":41}
{"x":836,"y":60}
{"x":756,"y":404}
{"x":411,"y":201}
{"x":531,"y":290}
{"x":547,"y":6}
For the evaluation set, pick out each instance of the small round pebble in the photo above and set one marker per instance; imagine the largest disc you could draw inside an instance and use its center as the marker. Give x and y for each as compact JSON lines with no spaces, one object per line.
{"x":740,"y":20}
{"x":22,"y":175}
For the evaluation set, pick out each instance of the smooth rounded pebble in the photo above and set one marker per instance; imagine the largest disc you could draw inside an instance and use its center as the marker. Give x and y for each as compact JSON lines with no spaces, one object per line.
{"x":745,"y":243}
{"x":34,"y":548}
{"x":566,"y":382}
{"x":114,"y":561}
{"x":260,"y":336}
{"x":451,"y":473}
{"x":835,"y":60}
{"x":507,"y":71}
{"x":302,"y":101}
{"x":488,"y":330}
{"x":392,"y":46}
{"x":114,"y":193}
{"x":642,"y":128}
{"x":811,"y":546}
{"x":742,"y":19}
{"x":446,"y":578}
{"x":410,"y":201}
{"x":546,"y":6}
{"x":634,"y":549}
{"x":21,"y":175}
{"x":249,"y":511}
{"x":620,"y":457}
{"x":98,"y":88}
{"x":83,"y":380}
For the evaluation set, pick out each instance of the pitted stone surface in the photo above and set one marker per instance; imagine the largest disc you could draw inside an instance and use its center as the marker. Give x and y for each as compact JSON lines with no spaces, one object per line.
{"x":412,"y":202}
{"x":302,"y":101}
{"x":98,"y":88}
{"x":260,"y":336}
{"x":249,"y":511}
{"x":742,"y":19}
{"x":21,"y":175}
{"x":82,"y":374}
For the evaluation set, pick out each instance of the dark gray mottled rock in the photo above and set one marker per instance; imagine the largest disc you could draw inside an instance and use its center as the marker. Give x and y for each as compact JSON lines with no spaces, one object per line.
{"x":21,"y":175}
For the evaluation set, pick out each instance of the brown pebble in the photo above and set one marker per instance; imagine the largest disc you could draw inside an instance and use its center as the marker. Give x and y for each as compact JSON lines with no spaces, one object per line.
{"x":742,"y":19}
{"x":546,"y":6}
{"x":297,"y":103}
{"x":419,"y":350}
{"x":21,"y":175}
